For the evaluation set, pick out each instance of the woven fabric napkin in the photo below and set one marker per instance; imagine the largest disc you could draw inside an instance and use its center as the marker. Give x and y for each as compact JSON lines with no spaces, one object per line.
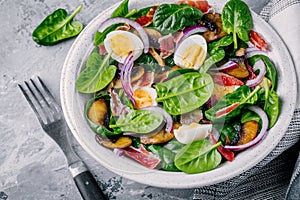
{"x":276,"y":176}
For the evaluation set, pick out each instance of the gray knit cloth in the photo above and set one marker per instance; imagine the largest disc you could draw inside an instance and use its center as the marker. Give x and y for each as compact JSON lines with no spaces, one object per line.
{"x":276,"y":176}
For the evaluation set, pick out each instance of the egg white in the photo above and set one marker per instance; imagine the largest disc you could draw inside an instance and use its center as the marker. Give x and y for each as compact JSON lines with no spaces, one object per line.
{"x":185,"y":44}
{"x":138,"y":45}
{"x":186,"y":134}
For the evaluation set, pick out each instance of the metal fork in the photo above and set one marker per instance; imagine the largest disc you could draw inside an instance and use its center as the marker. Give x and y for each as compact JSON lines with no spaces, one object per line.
{"x":49,"y":114}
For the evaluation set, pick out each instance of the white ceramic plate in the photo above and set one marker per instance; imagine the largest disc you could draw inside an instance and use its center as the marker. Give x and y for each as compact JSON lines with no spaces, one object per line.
{"x":73,"y":105}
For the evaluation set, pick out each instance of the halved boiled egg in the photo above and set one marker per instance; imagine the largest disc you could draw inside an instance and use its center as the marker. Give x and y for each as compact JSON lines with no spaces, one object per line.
{"x":121,"y":43}
{"x":144,"y":97}
{"x":191,"y":53}
{"x":186,"y":134}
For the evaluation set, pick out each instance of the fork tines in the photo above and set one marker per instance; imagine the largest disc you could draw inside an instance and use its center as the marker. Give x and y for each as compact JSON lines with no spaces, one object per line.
{"x":41,"y":101}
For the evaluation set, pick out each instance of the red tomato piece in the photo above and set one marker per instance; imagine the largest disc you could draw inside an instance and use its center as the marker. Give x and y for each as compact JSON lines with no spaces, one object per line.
{"x":227,"y":80}
{"x":144,"y":20}
{"x":257,"y":40}
{"x":199,"y":4}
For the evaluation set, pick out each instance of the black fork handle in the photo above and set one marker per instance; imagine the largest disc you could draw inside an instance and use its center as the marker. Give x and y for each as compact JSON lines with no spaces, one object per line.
{"x":86,"y":183}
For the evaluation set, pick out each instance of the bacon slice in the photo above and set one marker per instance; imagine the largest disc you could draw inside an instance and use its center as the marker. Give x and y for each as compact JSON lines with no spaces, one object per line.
{"x":116,"y":105}
{"x":166,"y":45}
{"x":145,"y":81}
{"x":142,"y":156}
{"x":226,"y":110}
{"x":102,"y":50}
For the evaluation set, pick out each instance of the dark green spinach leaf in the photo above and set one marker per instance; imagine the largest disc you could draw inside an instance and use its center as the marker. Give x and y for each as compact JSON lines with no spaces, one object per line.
{"x":185,"y":92}
{"x":167,"y":154}
{"x":216,"y":55}
{"x":139,"y":121}
{"x":56,"y":27}
{"x":272,"y":107}
{"x":198,"y":156}
{"x":121,"y":10}
{"x":97,"y":74}
{"x":148,"y":62}
{"x":170,"y":18}
{"x":237,"y":19}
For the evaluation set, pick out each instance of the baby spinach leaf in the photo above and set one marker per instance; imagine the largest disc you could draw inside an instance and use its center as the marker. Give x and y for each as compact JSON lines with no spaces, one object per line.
{"x":56,"y":27}
{"x":121,"y":10}
{"x":185,"y":92}
{"x":242,"y":95}
{"x":169,"y":18}
{"x":237,"y":19}
{"x":198,"y":156}
{"x":229,"y":132}
{"x":147,"y":61}
{"x":272,"y":107}
{"x":249,"y":116}
{"x":100,"y":36}
{"x":271,"y":70}
{"x":216,"y":55}
{"x":223,"y":42}
{"x":167,"y":153}
{"x":139,"y":121}
{"x":97,"y":74}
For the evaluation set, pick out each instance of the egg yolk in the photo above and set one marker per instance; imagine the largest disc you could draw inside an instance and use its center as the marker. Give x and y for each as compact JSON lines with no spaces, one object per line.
{"x":142,"y":98}
{"x":194,"y":55}
{"x":121,"y":45}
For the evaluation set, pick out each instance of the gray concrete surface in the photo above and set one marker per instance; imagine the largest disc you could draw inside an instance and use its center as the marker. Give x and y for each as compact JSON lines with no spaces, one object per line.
{"x":31,"y":164}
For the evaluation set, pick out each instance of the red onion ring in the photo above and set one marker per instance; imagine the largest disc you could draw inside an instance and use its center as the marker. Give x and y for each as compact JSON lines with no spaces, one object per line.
{"x":190,"y":31}
{"x":261,"y":134}
{"x":167,"y":116}
{"x":144,"y":36}
{"x":230,"y":65}
{"x":125,"y":76}
{"x":258,"y":65}
{"x":252,"y":51}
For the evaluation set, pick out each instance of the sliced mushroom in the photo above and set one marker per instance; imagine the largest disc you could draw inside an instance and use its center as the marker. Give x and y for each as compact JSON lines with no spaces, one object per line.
{"x":249,"y":132}
{"x":157,"y":57}
{"x":121,"y":143}
{"x":98,"y":112}
{"x":136,"y":73}
{"x":213,"y":22}
{"x":153,"y":34}
{"x":241,"y":71}
{"x":160,"y":137}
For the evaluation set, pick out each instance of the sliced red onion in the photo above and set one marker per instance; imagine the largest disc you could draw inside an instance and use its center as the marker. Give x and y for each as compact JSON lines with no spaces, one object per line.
{"x":252,"y":51}
{"x":118,"y":152}
{"x":190,"y":31}
{"x":230,"y":65}
{"x":258,"y":65}
{"x":167,"y":116}
{"x":125,"y":76}
{"x":144,"y":36}
{"x":261,"y":134}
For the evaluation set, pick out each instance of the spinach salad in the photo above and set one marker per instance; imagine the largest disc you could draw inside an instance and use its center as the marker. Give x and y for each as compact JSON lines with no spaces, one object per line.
{"x":180,"y":87}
